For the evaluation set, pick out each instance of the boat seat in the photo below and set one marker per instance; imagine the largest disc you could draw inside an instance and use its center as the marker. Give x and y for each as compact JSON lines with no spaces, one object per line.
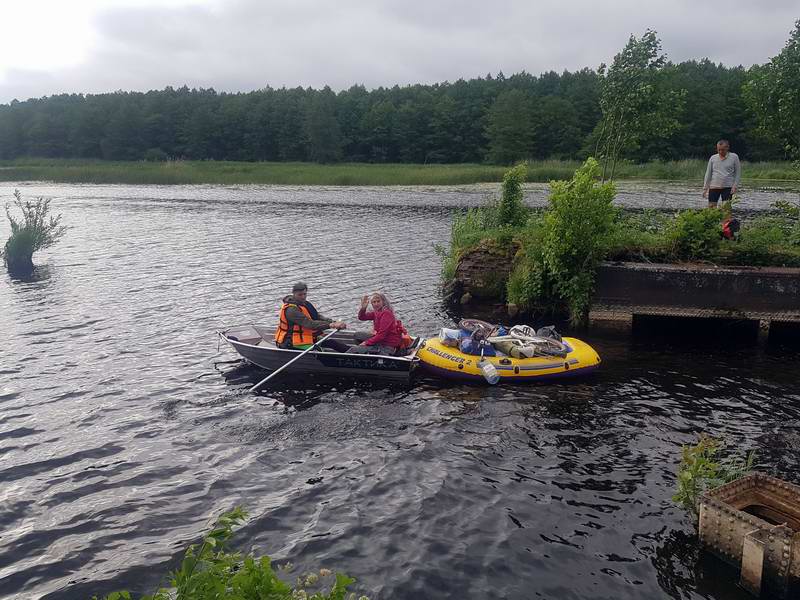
{"x":252,"y":341}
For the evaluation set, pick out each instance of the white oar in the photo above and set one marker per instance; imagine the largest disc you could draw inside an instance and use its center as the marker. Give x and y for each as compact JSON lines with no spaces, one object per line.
{"x":299,"y":356}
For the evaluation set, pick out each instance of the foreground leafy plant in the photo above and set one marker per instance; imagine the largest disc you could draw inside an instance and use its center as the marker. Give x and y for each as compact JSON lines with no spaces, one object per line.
{"x":37,"y":230}
{"x":209,"y":571}
{"x":701,"y":470}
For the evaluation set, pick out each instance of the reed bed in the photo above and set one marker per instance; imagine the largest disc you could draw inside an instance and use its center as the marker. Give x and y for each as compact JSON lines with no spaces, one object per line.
{"x":346,"y":174}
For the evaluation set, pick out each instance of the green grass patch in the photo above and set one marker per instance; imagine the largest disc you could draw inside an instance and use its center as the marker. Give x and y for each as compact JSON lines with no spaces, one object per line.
{"x":347,"y":174}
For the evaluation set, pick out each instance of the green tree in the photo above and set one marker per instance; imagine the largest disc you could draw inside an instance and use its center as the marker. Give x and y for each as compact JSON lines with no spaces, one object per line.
{"x":411,"y":122}
{"x":444,"y":138}
{"x":123,"y":133}
{"x":376,"y":129}
{"x":12,"y":134}
{"x":713,"y":108}
{"x":322,"y":128}
{"x":773,"y":93}
{"x":555,"y":129}
{"x":634,"y":101}
{"x":508,"y":128}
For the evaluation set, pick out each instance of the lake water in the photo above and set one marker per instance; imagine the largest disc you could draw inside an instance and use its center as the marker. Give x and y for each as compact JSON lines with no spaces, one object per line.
{"x":120,"y":442}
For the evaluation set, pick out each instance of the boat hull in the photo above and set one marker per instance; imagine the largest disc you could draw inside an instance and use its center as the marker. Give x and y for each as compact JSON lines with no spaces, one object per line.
{"x":254,"y":344}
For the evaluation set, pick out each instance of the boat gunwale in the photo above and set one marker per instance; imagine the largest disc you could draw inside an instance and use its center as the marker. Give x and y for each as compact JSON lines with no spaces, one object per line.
{"x":411,"y":358}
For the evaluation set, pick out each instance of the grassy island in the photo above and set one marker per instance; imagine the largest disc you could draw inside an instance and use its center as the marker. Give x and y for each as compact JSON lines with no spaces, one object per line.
{"x":552,"y":254}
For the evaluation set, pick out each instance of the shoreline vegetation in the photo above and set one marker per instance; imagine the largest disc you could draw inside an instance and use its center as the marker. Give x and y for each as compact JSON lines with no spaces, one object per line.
{"x":552,"y":254}
{"x":187,"y":172}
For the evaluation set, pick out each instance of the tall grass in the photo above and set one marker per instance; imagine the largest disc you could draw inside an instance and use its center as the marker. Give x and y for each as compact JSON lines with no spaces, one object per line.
{"x":233,"y":173}
{"x":354,"y":174}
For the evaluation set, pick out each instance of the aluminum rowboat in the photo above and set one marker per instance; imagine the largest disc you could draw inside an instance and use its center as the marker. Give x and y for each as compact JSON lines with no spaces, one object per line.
{"x":255,"y":343}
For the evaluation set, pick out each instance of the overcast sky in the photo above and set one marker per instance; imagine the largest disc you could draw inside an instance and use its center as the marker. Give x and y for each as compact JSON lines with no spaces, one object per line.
{"x":54,"y":46}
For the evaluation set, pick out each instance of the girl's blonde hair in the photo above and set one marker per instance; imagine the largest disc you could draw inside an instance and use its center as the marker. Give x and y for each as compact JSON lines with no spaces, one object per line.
{"x":384,"y":299}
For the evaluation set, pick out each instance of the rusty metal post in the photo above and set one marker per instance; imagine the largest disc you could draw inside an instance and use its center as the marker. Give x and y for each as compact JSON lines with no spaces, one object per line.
{"x":752,"y":561}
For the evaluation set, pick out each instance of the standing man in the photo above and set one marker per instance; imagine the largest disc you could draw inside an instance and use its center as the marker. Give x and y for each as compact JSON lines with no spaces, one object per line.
{"x":300,"y":324}
{"x":722,"y":175}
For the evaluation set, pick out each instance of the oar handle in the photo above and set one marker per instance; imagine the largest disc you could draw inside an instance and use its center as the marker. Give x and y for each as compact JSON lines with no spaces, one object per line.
{"x":299,"y":356}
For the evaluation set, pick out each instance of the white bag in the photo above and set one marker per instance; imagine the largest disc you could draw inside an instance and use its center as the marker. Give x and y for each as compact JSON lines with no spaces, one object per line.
{"x":450,"y":337}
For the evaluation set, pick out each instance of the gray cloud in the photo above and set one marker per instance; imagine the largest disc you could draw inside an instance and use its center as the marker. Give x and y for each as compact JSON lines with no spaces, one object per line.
{"x":249,"y":44}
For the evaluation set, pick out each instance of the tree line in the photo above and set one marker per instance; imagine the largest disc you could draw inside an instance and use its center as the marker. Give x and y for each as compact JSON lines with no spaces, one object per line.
{"x":498,"y":119}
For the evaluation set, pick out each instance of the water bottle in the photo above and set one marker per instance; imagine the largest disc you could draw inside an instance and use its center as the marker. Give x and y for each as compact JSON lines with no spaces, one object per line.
{"x":489,"y":372}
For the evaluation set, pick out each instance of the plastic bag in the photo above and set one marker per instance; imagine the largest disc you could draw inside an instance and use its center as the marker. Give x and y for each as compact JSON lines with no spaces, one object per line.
{"x":449,"y":337}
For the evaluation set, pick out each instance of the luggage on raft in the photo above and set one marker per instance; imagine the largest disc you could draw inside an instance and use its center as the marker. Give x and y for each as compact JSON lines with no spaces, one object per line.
{"x":444,"y":361}
{"x":480,"y":338}
{"x":519,"y":354}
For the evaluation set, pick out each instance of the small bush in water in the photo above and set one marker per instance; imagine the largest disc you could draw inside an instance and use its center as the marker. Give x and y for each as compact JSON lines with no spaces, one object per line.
{"x":36,"y":230}
{"x":210,"y":572}
{"x":701,"y":470}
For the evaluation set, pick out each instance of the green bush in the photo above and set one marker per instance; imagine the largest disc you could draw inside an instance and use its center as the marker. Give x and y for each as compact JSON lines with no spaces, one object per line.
{"x":578,"y":230}
{"x":209,"y":571}
{"x":529,"y":284}
{"x":759,"y":241}
{"x":695,"y":234}
{"x":36,"y":230}
{"x":701,"y":470}
{"x":789,"y":214}
{"x":511,"y":210}
{"x":639,"y":237}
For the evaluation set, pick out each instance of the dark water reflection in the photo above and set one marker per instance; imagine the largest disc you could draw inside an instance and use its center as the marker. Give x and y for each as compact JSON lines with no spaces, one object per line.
{"x":120,"y":441}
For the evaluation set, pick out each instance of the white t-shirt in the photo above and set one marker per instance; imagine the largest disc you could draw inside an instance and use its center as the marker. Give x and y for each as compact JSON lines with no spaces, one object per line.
{"x":723,"y":173}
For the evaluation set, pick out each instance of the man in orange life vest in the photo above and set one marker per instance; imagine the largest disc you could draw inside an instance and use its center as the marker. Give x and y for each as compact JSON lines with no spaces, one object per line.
{"x":300,"y":324}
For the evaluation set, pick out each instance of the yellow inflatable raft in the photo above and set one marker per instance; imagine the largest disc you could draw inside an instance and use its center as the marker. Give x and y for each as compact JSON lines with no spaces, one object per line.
{"x":444,"y":361}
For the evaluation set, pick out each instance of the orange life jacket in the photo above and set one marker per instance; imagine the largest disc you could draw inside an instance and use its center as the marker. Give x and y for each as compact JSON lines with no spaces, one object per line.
{"x":300,"y":335}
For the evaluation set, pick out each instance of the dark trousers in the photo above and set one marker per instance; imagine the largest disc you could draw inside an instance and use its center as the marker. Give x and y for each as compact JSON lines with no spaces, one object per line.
{"x":329,"y":343}
{"x":715,"y":194}
{"x":335,"y":345}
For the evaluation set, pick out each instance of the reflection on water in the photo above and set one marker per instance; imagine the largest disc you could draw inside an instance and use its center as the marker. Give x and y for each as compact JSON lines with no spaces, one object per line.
{"x":40,"y":274}
{"x":120,"y":441}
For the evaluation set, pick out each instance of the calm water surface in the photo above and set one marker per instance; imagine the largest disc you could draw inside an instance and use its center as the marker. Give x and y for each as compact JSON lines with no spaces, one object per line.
{"x":120,"y":442}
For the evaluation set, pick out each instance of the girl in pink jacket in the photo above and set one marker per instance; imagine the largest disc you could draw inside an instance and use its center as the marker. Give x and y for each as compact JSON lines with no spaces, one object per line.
{"x":386,"y":337}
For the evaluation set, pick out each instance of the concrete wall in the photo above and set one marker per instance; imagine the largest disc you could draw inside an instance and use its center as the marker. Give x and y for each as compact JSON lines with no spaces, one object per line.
{"x":694,"y":290}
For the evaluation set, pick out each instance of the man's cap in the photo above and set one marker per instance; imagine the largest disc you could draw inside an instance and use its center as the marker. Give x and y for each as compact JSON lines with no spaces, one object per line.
{"x":299,"y":287}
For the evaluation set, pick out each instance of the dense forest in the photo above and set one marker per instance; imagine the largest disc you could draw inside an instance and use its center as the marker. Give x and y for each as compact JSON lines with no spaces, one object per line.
{"x":494,"y":119}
